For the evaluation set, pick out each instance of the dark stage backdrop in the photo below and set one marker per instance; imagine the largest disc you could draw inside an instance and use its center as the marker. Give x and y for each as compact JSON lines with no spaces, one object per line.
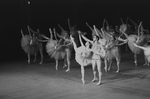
{"x":43,"y":14}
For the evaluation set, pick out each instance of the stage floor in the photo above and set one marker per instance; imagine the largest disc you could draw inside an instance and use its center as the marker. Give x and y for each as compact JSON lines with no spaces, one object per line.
{"x":18,"y":80}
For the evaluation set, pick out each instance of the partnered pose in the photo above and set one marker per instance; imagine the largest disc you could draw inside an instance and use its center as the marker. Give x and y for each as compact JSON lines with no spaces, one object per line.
{"x":82,"y":55}
{"x":98,"y":52}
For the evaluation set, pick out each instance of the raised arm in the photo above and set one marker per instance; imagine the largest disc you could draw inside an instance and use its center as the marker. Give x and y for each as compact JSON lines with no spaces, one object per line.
{"x":51,"y":35}
{"x":22,"y":33}
{"x":29,"y":31}
{"x":86,"y":39}
{"x":55,"y":33}
{"x":32,"y":30}
{"x":61,"y":37}
{"x":80,"y":39}
{"x":74,"y":44}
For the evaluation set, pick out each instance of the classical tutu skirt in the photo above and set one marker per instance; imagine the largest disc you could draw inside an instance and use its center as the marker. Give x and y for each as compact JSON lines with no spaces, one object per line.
{"x":112,"y":53}
{"x":83,"y":58}
{"x":132,"y":39}
{"x":27,"y":47}
{"x":56,"y":51}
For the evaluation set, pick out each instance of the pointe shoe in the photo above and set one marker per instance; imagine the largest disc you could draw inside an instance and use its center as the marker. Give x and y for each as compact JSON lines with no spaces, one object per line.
{"x":105,"y":69}
{"x":145,"y":64}
{"x":56,"y":68}
{"x":98,"y":83}
{"x":28,"y":62}
{"x":67,"y":70}
{"x":117,"y":71}
{"x":83,"y":82}
{"x":64,"y":66}
{"x":40,"y":63}
{"x":94,"y":79}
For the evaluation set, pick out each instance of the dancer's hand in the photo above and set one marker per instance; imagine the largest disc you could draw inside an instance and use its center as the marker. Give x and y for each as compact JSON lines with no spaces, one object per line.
{"x":71,"y":37}
{"x":79,"y":32}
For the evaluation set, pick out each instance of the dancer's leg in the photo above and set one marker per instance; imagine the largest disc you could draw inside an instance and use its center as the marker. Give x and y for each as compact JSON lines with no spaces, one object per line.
{"x":105,"y":61}
{"x":56,"y":64}
{"x":98,"y":62}
{"x":94,"y":70}
{"x":135,"y":59}
{"x":28,"y":58}
{"x":35,"y":55}
{"x":82,"y":73}
{"x":146,"y":62}
{"x":68,"y":59}
{"x":110,"y":64}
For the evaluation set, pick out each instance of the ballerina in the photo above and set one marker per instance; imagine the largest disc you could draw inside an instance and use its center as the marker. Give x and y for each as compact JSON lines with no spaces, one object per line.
{"x":112,"y":49}
{"x":66,"y":44}
{"x":82,"y":55}
{"x":132,"y":38}
{"x":146,"y":50}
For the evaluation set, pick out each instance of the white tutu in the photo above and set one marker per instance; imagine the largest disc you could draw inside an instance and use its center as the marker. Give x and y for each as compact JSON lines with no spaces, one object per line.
{"x":131,"y":40}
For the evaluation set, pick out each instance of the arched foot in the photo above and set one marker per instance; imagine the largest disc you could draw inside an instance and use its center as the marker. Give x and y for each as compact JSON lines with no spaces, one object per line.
{"x":95,"y":79}
{"x":99,"y":83}
{"x":41,"y":63}
{"x":108,"y":69}
{"x":67,"y":70}
{"x":28,"y":61}
{"x":56,"y":68}
{"x":105,"y":69}
{"x":117,"y":71}
{"x":64,"y":66}
{"x":145,"y":64}
{"x":135,"y":62}
{"x":83,"y":82}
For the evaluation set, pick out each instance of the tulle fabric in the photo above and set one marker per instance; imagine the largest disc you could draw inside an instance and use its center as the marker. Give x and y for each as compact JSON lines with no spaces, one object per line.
{"x":112,"y":53}
{"x":27,"y":46}
{"x":56,"y":51}
{"x":82,"y":56}
{"x":132,"y":39}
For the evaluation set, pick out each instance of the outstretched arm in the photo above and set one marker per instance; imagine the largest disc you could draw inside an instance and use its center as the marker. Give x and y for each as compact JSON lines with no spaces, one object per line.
{"x":86,"y":39}
{"x":120,"y":39}
{"x":45,"y":37}
{"x":139,"y":46}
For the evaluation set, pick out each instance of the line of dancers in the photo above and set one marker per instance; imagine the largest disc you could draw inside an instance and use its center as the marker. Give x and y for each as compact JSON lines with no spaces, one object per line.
{"x":104,"y":46}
